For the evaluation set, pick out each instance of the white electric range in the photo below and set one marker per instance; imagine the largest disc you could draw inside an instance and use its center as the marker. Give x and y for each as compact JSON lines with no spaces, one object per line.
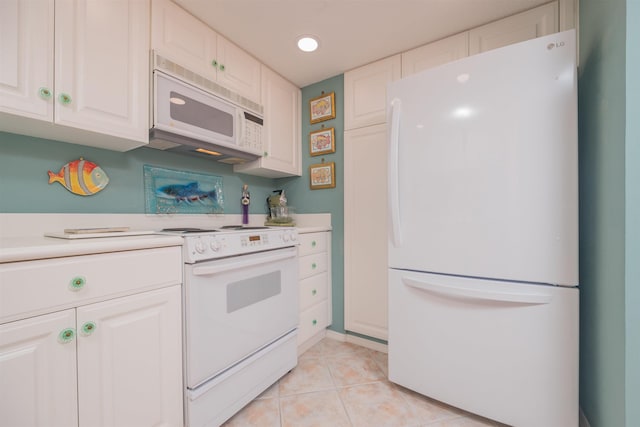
{"x":240,"y":316}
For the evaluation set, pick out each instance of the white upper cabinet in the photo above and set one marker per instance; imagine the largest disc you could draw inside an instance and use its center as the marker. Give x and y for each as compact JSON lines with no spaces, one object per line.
{"x":533,"y":23}
{"x":281,"y":132}
{"x":365,"y":92}
{"x":434,"y":54}
{"x":80,"y":68}
{"x":102,"y":66}
{"x":192,"y":44}
{"x":26,"y":58}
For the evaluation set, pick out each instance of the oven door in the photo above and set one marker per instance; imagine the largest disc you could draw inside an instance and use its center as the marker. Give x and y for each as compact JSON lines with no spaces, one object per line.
{"x":235,"y":306}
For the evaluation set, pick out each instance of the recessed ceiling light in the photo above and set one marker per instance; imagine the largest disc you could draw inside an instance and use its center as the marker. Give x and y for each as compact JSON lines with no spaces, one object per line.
{"x":307,"y":43}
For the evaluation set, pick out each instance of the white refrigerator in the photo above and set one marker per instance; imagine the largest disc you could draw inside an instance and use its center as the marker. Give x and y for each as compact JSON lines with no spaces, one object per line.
{"x":483,"y":252}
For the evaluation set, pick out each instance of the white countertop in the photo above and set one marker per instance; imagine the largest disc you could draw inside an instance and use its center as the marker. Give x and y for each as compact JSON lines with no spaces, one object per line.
{"x":22,"y":235}
{"x":31,"y":248}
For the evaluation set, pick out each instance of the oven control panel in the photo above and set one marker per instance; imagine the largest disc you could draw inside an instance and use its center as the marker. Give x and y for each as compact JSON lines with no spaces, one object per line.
{"x":206,"y":246}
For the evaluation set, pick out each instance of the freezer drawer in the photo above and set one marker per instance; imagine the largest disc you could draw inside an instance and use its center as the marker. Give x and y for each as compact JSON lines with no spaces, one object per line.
{"x":506,"y":351}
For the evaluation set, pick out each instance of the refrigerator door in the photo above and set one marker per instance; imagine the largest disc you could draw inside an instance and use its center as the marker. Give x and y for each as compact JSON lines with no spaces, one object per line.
{"x":483,"y":165}
{"x":505,"y":351}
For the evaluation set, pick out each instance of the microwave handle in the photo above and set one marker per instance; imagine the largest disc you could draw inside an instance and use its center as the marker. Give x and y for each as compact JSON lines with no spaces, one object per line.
{"x":242,"y":125}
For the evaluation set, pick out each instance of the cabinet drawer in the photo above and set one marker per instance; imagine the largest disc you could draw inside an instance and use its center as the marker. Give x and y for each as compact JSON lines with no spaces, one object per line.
{"x":313,"y":290}
{"x":312,"y":264}
{"x":312,"y":321}
{"x":312,"y":243}
{"x":33,"y":287}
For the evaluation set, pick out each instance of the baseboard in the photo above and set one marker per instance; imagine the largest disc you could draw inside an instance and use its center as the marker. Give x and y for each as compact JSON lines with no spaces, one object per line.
{"x":358,"y":341}
{"x":583,"y":421}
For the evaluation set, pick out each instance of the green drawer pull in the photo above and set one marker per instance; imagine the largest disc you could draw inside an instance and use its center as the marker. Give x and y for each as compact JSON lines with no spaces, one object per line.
{"x":313,"y":244}
{"x":77,"y":283}
{"x":66,"y":335}
{"x":64,"y":99}
{"x":214,"y":63}
{"x":313,"y":292}
{"x":313,"y":266}
{"x":314,"y":322}
{"x":221,"y":67}
{"x":44,"y":93}
{"x":88,"y":328}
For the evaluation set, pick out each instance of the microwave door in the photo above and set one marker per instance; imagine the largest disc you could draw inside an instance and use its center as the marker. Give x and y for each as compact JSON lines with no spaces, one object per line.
{"x":190,"y":112}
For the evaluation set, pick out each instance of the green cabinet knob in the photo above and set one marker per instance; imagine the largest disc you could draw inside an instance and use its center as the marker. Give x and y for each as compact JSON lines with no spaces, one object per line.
{"x":88,"y":328}
{"x":44,"y":93}
{"x":314,"y":292}
{"x":66,"y":335}
{"x":214,"y":63}
{"x":265,"y":154}
{"x":221,"y":67}
{"x":313,"y":266}
{"x":64,"y":99}
{"x":313,"y":244}
{"x":77,"y":283}
{"x":314,"y":322}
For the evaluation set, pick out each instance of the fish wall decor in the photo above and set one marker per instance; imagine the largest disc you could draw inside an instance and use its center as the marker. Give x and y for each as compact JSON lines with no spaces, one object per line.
{"x":81,"y":177}
{"x":190,"y":192}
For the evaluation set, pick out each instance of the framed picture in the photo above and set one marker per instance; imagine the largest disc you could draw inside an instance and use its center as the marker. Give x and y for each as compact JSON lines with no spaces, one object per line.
{"x":322,"y":141}
{"x":323,"y":108}
{"x":322,"y":175}
{"x":169,"y":191}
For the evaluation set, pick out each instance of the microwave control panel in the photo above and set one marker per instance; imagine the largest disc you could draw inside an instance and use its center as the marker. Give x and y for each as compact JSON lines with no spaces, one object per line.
{"x":252,"y":132}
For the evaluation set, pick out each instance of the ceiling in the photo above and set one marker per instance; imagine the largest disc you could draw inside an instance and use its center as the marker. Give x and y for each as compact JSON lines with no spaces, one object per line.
{"x":351,"y":32}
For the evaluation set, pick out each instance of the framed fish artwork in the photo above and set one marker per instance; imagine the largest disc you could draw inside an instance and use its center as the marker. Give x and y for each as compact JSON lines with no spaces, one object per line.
{"x":169,"y":191}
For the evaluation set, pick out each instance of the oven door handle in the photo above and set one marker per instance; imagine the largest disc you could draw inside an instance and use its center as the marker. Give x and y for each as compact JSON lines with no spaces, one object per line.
{"x":213,"y":269}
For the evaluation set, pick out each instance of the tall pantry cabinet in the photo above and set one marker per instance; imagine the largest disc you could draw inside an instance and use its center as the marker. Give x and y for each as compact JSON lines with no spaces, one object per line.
{"x":365,"y":151}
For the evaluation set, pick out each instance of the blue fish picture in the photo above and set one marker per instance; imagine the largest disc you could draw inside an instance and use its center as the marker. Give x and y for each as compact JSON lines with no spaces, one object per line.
{"x":186,"y":193}
{"x":169,"y":191}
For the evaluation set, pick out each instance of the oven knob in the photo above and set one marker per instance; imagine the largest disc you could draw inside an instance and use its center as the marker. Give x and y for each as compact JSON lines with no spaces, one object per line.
{"x":215,"y":245}
{"x":200,"y":248}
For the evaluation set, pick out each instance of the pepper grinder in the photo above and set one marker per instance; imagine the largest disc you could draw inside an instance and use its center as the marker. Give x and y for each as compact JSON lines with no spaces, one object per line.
{"x":246,"y":200}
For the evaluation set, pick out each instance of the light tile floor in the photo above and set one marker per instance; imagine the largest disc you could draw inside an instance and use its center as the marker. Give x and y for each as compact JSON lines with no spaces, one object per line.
{"x":340,"y":384}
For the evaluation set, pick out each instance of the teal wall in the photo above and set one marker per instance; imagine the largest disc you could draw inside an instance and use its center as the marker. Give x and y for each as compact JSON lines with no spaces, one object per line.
{"x":609,"y":212}
{"x":330,"y":200}
{"x":24,"y":188}
{"x":632,"y":223}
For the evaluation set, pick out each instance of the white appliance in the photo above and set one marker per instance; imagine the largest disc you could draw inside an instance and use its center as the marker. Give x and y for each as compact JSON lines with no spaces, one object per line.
{"x":240,"y":317}
{"x":197,"y":116}
{"x":483,"y":254}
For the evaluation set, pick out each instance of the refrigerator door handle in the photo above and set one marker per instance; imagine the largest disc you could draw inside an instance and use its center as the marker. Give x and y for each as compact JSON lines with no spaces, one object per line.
{"x":479,"y":294}
{"x":394,"y":193}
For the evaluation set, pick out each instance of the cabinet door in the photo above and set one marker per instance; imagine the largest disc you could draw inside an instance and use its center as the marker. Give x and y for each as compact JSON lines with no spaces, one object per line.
{"x":38,"y":371}
{"x":281,"y":131}
{"x":365,"y":92}
{"x":365,"y":231}
{"x":26,"y":58}
{"x":237,"y":70}
{"x":434,"y":54}
{"x":184,"y":39}
{"x":102,"y":66}
{"x":533,"y":23}
{"x":130,"y":361}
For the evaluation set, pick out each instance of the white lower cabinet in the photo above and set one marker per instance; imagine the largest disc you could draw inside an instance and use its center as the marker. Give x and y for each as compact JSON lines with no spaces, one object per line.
{"x":38,"y":372}
{"x":315,"y":285}
{"x":107,"y":359}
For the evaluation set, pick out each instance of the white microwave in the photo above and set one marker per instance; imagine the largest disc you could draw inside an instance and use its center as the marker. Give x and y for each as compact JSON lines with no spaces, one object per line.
{"x":189,"y":119}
